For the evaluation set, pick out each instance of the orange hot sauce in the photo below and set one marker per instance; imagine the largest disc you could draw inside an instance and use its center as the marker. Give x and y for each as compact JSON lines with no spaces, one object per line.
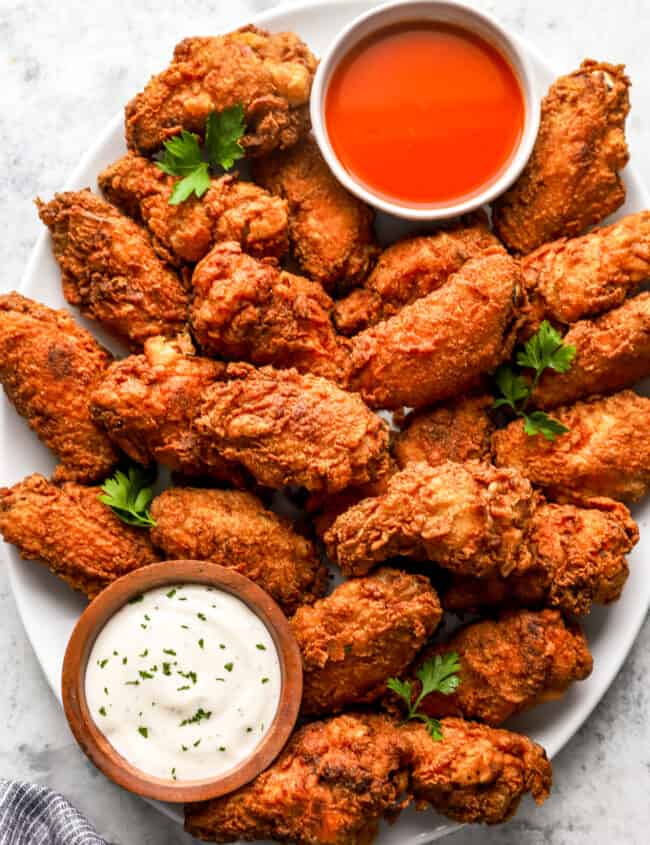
{"x":424,"y":112}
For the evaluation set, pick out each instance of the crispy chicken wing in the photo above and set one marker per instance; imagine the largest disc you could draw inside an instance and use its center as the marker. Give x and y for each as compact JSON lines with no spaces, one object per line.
{"x":330,"y":230}
{"x":147,"y":403}
{"x":410,"y":269}
{"x":110,"y":270}
{"x":366,"y":631}
{"x":234,"y":529}
{"x":287,"y":428}
{"x":269,"y":74}
{"x":439,"y":346}
{"x":612,"y":352}
{"x":508,"y":665}
{"x":606,"y":451}
{"x":250,"y":310}
{"x":572,"y":178}
{"x":230,"y":210}
{"x":69,"y":530}
{"x":49,"y":366}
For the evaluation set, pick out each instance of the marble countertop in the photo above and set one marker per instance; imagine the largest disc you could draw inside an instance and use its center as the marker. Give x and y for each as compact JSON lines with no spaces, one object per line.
{"x":67,"y":67}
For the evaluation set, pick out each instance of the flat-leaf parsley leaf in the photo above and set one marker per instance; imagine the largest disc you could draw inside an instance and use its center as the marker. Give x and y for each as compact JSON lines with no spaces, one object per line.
{"x":128,"y":494}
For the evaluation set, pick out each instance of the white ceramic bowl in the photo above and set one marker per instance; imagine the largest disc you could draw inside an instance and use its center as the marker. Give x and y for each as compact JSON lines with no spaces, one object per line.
{"x":444,"y":12}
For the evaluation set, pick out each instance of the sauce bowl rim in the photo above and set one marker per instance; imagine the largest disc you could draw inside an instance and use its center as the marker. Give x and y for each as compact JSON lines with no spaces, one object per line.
{"x":97,"y":746}
{"x":464,"y":16}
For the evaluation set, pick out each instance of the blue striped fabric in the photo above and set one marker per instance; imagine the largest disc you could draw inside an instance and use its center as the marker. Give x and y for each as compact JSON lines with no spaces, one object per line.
{"x":34,"y":815}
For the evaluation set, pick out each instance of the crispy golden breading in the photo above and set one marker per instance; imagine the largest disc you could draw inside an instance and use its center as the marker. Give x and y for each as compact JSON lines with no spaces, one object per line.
{"x":250,"y":310}
{"x":471,"y":518}
{"x":230,"y":210}
{"x":581,"y":277}
{"x":337,"y":778}
{"x":368,"y":630}
{"x":69,"y":530}
{"x":439,"y":346}
{"x":612,"y":352}
{"x":147,"y":403}
{"x":330,"y":229}
{"x":606,"y":451}
{"x":571,"y":180}
{"x":410,"y":269}
{"x":459,"y":431}
{"x":234,"y":529}
{"x":288,"y":428}
{"x":580,"y":561}
{"x":49,"y":366}
{"x":110,"y":269}
{"x":508,"y":665}
{"x":269,"y":74}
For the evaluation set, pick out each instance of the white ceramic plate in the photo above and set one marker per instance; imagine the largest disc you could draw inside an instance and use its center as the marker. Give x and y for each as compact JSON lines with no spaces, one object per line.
{"x":49,"y":608}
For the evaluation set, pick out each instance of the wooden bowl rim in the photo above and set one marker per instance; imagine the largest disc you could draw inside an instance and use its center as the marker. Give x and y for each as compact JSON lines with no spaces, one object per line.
{"x":99,"y":749}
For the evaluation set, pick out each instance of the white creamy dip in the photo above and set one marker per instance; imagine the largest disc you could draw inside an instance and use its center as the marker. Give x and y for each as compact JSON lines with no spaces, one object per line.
{"x":184,"y":681}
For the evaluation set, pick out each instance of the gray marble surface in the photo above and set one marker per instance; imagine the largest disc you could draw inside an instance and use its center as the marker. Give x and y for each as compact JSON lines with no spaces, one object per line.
{"x":66,"y":67}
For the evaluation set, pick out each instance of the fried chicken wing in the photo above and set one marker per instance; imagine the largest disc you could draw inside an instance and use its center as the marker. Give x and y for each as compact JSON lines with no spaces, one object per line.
{"x":287,"y":428}
{"x":230,"y":210}
{"x":69,"y":530}
{"x":439,"y":346}
{"x":612,"y":352}
{"x":459,"y":430}
{"x":110,"y":269}
{"x":330,"y":229}
{"x":270,"y":74}
{"x":579,"y":561}
{"x":336,"y":779}
{"x":49,"y":366}
{"x":570,"y":279}
{"x":508,"y":665}
{"x":250,"y":310}
{"x":234,"y":529}
{"x":606,"y":451}
{"x":368,"y":630}
{"x":410,"y":269}
{"x":147,"y":403}
{"x":572,"y":178}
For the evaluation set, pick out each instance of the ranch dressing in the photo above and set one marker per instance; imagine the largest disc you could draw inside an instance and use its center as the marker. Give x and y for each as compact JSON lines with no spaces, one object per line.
{"x":184,"y":681}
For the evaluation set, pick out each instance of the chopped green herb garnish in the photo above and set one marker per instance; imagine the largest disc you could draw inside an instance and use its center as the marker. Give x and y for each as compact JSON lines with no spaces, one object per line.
{"x":102,"y":663}
{"x":166,"y":669}
{"x":129,"y":494}
{"x":125,"y":660}
{"x":171,"y":593}
{"x":265,"y":680}
{"x":144,"y":653}
{"x":197,"y":743}
{"x":169,"y":651}
{"x":102,"y":711}
{"x":143,"y":626}
{"x":201,"y":616}
{"x":105,"y":690}
{"x":145,"y":675}
{"x":220,"y":679}
{"x":191,"y":675}
{"x":228,"y":666}
{"x":144,"y":732}
{"x":261,"y":646}
{"x":201,"y":642}
{"x":174,"y":773}
{"x":132,"y":683}
{"x":184,"y":687}
{"x":222,"y":748}
{"x":185,"y":626}
{"x":221,"y":645}
{"x":249,"y":730}
{"x":184,"y":748}
{"x":197,"y":717}
{"x":437,"y":675}
{"x":147,"y":618}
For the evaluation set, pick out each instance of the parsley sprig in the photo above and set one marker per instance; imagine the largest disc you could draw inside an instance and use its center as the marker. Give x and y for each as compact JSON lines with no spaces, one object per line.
{"x":437,"y":675}
{"x":544,"y":351}
{"x":185,"y":156}
{"x":129,"y":494}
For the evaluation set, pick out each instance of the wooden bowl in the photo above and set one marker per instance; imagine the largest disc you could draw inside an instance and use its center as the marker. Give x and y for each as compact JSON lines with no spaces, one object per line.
{"x":98,"y":748}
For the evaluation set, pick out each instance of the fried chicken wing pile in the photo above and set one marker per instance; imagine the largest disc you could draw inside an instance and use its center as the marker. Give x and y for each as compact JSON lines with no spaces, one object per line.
{"x":572,"y":178}
{"x":269,"y":74}
{"x":231,"y":210}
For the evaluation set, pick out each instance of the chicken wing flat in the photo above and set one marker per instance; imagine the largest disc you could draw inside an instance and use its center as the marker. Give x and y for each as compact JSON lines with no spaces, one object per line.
{"x":250,"y":310}
{"x":439,"y":346}
{"x":147,"y":403}
{"x":410,"y":269}
{"x":336,"y":779}
{"x":230,"y":210}
{"x":459,"y":430}
{"x":330,"y":229}
{"x":110,"y":269}
{"x":580,"y":561}
{"x":288,"y":428}
{"x":69,"y":530}
{"x":269,"y":74}
{"x":581,"y":277}
{"x":509,"y":665}
{"x":572,"y":178}
{"x":234,"y":529}
{"x":612,"y":352}
{"x":368,"y":630}
{"x":606,"y":451}
{"x":49,"y":366}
